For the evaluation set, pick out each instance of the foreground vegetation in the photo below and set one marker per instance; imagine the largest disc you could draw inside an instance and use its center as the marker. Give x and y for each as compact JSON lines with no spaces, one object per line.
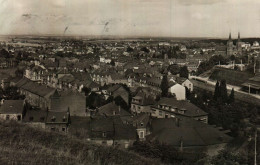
{"x":21,"y":144}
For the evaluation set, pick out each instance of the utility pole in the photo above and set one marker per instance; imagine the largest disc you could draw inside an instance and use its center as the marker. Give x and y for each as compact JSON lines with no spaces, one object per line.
{"x":255,"y":146}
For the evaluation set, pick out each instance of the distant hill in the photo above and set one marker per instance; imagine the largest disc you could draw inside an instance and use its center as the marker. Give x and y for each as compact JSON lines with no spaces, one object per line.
{"x":21,"y":144}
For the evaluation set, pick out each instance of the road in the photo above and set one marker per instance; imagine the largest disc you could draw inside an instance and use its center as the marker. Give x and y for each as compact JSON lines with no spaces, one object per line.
{"x":209,"y":85}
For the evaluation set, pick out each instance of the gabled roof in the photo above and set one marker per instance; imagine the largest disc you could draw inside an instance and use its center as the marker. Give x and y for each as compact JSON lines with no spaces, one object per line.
{"x":35,"y":88}
{"x":112,"y":109}
{"x":180,"y":80}
{"x":190,"y":109}
{"x":57,"y":117}
{"x":35,"y":116}
{"x":188,"y":131}
{"x":145,"y":99}
{"x":12,"y":107}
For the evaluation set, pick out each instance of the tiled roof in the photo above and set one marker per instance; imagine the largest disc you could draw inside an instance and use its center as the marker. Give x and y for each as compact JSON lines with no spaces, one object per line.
{"x":189,"y":131}
{"x":112,"y":109}
{"x":35,"y":116}
{"x":57,"y":117}
{"x":40,"y":90}
{"x":12,"y":107}
{"x":191,"y":109}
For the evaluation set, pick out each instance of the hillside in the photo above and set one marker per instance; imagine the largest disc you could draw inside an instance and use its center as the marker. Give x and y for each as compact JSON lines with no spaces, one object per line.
{"x":232,"y":77}
{"x":21,"y":144}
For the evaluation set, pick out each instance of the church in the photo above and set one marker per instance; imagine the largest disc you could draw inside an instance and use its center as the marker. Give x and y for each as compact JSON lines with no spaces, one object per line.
{"x":234,"y":49}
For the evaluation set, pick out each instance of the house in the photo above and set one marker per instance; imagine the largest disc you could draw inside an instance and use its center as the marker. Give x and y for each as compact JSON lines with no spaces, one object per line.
{"x":141,"y":123}
{"x":111,"y":109}
{"x":12,"y":110}
{"x":35,"y":118}
{"x":171,"y":108}
{"x":187,"y":133}
{"x":76,"y":102}
{"x":185,"y":82}
{"x":119,"y":90}
{"x":142,"y":103}
{"x":35,"y":94}
{"x":110,"y":131}
{"x":252,"y":85}
{"x":178,"y":90}
{"x":57,"y":121}
{"x":35,"y":73}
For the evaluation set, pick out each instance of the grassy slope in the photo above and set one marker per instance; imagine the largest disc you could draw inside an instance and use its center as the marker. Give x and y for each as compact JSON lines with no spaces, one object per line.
{"x":231,"y":76}
{"x":21,"y":144}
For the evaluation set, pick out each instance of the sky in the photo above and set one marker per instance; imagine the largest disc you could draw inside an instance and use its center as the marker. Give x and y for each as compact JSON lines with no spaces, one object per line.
{"x":151,"y":18}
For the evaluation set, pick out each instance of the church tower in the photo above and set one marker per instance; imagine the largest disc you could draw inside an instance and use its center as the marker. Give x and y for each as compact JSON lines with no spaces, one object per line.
{"x":239,"y":45}
{"x":230,"y":46}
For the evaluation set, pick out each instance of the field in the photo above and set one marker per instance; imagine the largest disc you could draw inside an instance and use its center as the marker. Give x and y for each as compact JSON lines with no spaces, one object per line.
{"x":231,"y":76}
{"x":21,"y":144}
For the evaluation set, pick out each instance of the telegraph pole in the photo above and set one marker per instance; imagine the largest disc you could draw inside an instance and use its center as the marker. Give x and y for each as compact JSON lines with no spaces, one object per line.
{"x":255,"y":146}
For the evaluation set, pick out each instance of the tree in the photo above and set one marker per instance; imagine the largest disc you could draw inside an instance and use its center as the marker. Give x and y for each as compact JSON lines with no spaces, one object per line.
{"x":174,"y":69}
{"x":164,"y":86}
{"x":184,"y":72}
{"x":112,"y":62}
{"x":121,"y":102}
{"x":217,"y":91}
{"x":232,"y":96}
{"x":223,"y":90}
{"x":86,"y":91}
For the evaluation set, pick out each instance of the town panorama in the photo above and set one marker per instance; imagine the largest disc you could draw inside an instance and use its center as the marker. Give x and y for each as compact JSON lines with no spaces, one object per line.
{"x":124,"y":99}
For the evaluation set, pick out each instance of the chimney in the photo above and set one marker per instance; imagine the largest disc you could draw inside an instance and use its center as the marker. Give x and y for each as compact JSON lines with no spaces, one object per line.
{"x":181,"y":145}
{"x":177,"y":121}
{"x":2,"y":101}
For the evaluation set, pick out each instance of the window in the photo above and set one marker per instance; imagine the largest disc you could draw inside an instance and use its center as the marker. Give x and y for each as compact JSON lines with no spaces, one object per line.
{"x":160,"y":113}
{"x":63,"y":129}
{"x":142,"y":124}
{"x":30,"y":118}
{"x":64,"y":119}
{"x":42,"y":119}
{"x":53,"y":118}
{"x":7,"y":117}
{"x":104,"y":134}
{"x":19,"y":117}
{"x":141,"y":134}
{"x":52,"y":129}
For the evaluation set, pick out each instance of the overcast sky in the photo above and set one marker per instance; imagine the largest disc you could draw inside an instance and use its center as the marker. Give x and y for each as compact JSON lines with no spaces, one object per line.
{"x":172,"y":18}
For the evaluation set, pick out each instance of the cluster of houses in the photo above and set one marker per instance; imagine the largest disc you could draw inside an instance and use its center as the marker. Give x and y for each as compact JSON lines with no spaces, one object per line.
{"x":55,"y":100}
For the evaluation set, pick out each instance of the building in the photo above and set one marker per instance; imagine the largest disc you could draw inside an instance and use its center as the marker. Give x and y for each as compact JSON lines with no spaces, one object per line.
{"x":232,"y":49}
{"x":57,"y":121}
{"x":60,"y":101}
{"x":185,"y":82}
{"x":178,"y":90}
{"x":188,"y":133}
{"x":110,"y":131}
{"x":12,"y":110}
{"x":230,"y":46}
{"x":171,"y":108}
{"x":141,"y":123}
{"x":35,"y":94}
{"x":141,"y":103}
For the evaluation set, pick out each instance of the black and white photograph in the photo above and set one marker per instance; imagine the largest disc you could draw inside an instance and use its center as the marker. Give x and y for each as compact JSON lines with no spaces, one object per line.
{"x":129,"y":82}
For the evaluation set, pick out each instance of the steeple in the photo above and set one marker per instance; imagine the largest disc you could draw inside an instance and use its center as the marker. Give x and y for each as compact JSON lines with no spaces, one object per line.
{"x":229,"y":35}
